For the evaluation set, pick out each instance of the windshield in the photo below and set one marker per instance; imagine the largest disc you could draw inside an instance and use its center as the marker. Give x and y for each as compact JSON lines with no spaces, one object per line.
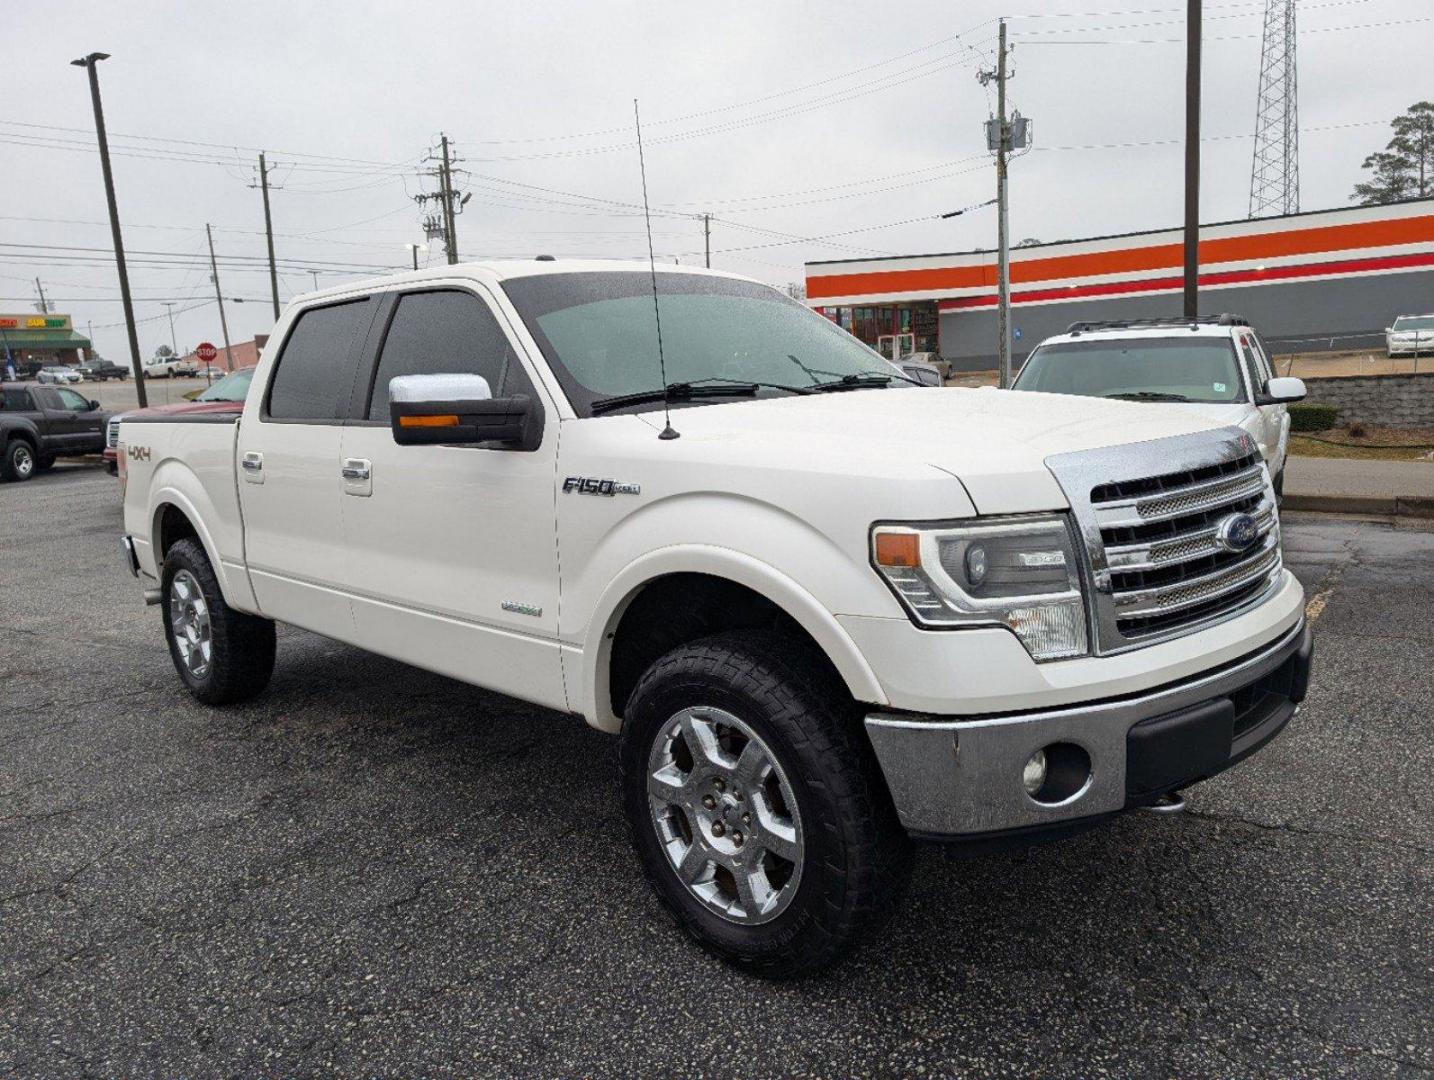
{"x":598,"y":333}
{"x":233,"y":387}
{"x":1414,"y":322}
{"x":1190,"y":369}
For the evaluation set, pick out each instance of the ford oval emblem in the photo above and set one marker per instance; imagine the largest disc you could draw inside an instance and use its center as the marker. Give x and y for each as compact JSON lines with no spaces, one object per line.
{"x":1237,"y":532}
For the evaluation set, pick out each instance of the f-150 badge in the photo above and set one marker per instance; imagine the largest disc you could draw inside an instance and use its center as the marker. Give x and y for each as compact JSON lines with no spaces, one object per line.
{"x":587,"y":485}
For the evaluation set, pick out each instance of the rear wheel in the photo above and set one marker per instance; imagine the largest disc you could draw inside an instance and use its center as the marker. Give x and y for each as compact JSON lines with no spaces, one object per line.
{"x":756,"y":805}
{"x":19,"y":461}
{"x":223,"y":655}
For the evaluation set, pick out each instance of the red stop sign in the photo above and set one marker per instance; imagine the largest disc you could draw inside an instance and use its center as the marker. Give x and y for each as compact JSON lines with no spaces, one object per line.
{"x":206,"y":352}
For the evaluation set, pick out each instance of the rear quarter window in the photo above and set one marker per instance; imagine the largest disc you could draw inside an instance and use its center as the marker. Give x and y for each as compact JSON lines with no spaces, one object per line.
{"x":314,"y":374}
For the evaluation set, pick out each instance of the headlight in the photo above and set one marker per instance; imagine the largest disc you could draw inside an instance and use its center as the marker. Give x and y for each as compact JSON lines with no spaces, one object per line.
{"x":1020,"y":573}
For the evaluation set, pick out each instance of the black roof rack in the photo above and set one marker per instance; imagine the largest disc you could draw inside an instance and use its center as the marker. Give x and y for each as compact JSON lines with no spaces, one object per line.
{"x":1225,"y":319}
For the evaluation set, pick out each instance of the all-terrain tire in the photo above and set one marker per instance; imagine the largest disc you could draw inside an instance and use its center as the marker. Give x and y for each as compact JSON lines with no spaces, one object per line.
{"x":856,"y":856}
{"x":241,"y":658}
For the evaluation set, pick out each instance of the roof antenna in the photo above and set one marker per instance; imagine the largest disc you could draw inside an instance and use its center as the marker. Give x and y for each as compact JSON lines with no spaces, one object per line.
{"x":667,"y":432}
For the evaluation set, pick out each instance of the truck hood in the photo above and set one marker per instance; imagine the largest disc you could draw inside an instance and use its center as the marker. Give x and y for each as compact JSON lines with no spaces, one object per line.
{"x":995,"y":442}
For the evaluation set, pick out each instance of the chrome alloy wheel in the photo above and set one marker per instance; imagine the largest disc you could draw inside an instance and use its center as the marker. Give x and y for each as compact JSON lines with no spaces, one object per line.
{"x":725,"y":815}
{"x":23,"y":461}
{"x":189,"y":623}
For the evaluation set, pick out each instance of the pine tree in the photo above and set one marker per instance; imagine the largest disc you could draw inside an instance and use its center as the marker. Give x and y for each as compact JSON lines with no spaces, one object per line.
{"x":1405,"y":168}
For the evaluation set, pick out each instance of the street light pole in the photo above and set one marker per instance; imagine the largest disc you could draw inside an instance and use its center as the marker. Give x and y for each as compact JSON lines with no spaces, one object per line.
{"x":89,"y":62}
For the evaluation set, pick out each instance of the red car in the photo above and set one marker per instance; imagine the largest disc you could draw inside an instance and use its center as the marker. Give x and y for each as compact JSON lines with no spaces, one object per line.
{"x":225,"y":396}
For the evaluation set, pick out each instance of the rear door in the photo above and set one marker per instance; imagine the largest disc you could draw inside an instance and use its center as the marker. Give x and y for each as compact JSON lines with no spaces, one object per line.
{"x":290,"y":482}
{"x":453,"y":557}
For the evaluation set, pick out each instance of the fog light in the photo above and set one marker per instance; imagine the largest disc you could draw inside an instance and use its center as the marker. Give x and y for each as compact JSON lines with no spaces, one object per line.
{"x":1033,"y":776}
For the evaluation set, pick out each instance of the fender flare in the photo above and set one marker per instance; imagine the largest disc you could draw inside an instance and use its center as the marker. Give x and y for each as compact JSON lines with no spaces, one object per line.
{"x":591,"y":695}
{"x":166,"y":492}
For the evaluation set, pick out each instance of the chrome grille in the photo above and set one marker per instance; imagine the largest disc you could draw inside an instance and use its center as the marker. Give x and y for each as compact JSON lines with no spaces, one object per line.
{"x":112,"y":433}
{"x":1158,"y":564}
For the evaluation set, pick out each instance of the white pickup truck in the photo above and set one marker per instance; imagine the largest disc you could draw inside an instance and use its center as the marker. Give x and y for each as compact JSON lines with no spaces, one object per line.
{"x":825,"y":609}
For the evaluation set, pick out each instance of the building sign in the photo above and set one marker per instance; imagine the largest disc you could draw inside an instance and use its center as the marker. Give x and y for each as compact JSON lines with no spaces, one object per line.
{"x":35,"y":322}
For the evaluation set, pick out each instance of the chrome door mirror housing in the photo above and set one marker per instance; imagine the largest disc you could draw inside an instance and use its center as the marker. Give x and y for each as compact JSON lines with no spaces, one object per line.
{"x":460,"y":410}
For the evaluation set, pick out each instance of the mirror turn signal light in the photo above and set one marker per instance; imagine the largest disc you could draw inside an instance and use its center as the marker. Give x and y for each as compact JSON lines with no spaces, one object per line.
{"x":447,"y":420}
{"x":898,"y":549}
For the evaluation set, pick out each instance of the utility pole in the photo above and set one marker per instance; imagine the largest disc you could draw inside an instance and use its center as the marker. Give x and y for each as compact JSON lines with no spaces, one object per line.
{"x":173,"y":342}
{"x":1002,"y":137}
{"x":44,"y":304}
{"x":449,"y":224}
{"x":223,"y":323}
{"x":1192,"y":159}
{"x":89,"y":62}
{"x":269,"y":234}
{"x":707,"y":240}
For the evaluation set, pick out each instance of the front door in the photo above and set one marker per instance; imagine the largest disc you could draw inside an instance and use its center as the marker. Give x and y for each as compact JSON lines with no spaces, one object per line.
{"x":290,"y":471}
{"x":452,"y":550}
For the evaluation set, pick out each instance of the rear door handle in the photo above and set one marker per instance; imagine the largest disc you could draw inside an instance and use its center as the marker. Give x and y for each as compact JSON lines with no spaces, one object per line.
{"x":252,"y":464}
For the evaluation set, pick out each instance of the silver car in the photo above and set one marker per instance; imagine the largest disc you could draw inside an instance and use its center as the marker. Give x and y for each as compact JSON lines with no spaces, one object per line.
{"x":1410,"y":335}
{"x":58,"y":374}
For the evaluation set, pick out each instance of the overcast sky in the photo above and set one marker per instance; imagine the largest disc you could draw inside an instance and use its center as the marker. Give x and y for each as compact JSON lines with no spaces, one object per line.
{"x":781,"y":119}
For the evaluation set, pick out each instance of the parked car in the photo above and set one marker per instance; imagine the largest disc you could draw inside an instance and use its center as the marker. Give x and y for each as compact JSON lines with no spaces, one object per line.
{"x":103,"y":370}
{"x":1215,"y":365}
{"x":41,"y":423}
{"x":825,"y":611}
{"x":58,"y":374}
{"x":225,"y":396}
{"x":1410,"y":335}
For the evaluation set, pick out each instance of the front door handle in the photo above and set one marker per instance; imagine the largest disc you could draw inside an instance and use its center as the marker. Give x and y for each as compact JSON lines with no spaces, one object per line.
{"x":357,"y":474}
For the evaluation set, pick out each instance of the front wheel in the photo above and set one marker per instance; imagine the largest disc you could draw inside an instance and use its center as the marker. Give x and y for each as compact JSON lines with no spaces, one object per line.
{"x":756,"y":805}
{"x":223,"y":656}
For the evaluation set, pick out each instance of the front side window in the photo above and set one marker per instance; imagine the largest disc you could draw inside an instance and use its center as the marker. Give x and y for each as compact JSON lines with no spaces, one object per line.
{"x":598,"y":332}
{"x":1151,"y":369}
{"x":72,"y":401}
{"x":445,"y":332}
{"x":314,"y":375}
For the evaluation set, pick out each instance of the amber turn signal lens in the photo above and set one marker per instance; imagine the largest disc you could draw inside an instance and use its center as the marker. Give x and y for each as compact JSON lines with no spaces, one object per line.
{"x":898,"y":549}
{"x":428,"y":421}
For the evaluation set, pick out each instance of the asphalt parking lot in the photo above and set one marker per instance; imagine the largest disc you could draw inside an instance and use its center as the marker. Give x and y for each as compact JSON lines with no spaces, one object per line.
{"x":372,"y":871}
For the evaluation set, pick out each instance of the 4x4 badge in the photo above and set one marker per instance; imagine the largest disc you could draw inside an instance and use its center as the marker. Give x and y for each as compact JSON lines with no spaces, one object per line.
{"x":587,"y":485}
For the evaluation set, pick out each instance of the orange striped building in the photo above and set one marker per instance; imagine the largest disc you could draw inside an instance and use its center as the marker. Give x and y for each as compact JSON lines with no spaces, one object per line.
{"x":1320,"y":280}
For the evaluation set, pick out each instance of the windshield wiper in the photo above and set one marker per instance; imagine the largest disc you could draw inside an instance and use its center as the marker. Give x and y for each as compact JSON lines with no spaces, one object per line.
{"x":862,"y":381}
{"x":1148,"y":395}
{"x":677,"y":391}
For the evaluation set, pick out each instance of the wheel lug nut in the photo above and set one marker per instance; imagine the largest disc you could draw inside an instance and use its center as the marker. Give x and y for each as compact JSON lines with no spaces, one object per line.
{"x":717,"y":829}
{"x":708,"y":801}
{"x":719,"y":784}
{"x":746,"y":819}
{"x":737,"y":838}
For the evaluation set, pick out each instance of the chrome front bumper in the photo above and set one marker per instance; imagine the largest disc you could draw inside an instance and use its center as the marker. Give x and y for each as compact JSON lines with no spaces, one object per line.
{"x":962,"y":778}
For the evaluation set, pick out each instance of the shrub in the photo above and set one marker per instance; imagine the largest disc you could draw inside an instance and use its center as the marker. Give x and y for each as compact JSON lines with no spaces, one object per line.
{"x":1357,"y":430}
{"x":1312,"y":416}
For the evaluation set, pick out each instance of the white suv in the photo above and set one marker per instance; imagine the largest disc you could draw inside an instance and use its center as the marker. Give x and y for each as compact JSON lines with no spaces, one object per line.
{"x":1216,"y":365}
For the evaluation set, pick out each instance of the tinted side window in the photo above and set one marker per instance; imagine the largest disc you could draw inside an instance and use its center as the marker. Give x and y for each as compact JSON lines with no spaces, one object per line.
{"x":72,"y":401}
{"x":313,"y":376}
{"x":16,"y":401}
{"x":445,"y":333}
{"x":1252,"y":366}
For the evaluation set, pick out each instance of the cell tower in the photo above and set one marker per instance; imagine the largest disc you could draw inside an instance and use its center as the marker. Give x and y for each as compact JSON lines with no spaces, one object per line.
{"x":1275,"y":177}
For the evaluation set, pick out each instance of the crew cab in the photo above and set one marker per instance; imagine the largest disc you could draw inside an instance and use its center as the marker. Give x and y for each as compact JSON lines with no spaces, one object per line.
{"x":41,"y":423}
{"x":1214,"y":364}
{"x":824,"y":609}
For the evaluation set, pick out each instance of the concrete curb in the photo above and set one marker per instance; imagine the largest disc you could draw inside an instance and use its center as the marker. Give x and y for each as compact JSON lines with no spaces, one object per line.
{"x":1374,"y":505}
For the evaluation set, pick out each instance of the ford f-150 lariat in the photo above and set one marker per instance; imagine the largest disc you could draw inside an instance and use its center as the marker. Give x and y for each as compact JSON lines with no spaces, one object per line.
{"x":825,"y":609}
